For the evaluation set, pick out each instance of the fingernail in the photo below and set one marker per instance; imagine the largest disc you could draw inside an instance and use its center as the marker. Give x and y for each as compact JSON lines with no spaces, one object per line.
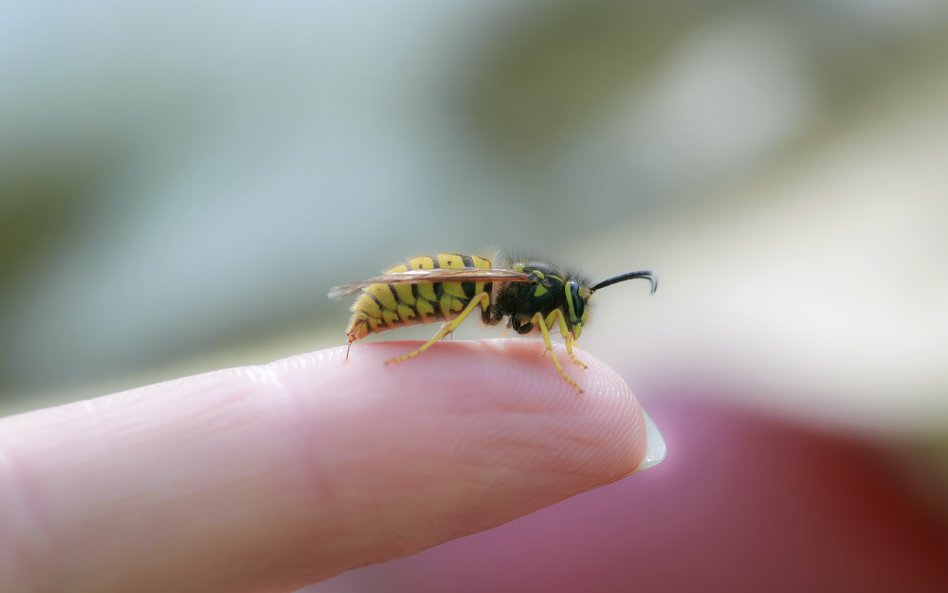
{"x":655,"y":444}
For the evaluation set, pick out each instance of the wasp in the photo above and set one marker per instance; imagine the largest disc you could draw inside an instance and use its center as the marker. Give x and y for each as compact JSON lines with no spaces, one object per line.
{"x":450,"y":287}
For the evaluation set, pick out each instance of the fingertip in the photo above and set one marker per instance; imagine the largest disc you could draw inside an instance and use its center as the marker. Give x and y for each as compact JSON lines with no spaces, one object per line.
{"x":502,"y":382}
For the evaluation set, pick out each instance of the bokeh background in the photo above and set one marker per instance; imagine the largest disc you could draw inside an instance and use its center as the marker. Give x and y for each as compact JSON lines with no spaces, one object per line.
{"x":180,"y":185}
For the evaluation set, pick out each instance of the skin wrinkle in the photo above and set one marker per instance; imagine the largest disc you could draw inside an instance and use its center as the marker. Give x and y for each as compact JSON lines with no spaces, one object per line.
{"x":309,"y":465}
{"x":357,"y":466}
{"x":549,"y":452}
{"x":452,"y":461}
{"x":526,"y":451}
{"x":298,"y":486}
{"x":209,"y":420}
{"x":320,"y":457}
{"x":309,"y":457}
{"x":592,"y":443}
{"x":619,"y":403}
{"x":244,"y":402}
{"x":506,"y":360}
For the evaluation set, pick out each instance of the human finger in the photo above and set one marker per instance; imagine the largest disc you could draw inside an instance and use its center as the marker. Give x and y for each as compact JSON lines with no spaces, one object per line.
{"x":273,"y":476}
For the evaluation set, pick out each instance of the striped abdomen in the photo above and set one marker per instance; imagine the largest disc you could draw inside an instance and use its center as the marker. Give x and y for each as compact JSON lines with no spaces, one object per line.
{"x":381,"y":307}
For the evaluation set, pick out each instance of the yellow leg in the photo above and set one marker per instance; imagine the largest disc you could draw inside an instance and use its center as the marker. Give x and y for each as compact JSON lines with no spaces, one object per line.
{"x":447,"y":328}
{"x":539,"y":321}
{"x":568,"y":339}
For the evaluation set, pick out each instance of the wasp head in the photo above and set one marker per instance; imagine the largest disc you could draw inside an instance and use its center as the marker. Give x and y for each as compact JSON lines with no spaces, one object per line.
{"x":576,"y":311}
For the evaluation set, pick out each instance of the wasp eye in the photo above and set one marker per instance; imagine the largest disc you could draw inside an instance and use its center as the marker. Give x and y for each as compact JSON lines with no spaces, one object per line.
{"x":579,"y":303}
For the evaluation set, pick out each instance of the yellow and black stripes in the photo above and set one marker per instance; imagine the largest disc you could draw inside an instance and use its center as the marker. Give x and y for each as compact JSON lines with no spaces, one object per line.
{"x":388,"y":306}
{"x":530,"y":295}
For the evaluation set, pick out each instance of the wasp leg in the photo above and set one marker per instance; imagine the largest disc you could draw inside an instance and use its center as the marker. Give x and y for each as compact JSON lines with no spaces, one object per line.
{"x":447,"y":328}
{"x":568,"y":338}
{"x":539,"y":321}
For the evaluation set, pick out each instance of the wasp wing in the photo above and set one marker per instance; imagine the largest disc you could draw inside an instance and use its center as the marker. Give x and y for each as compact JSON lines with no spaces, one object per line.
{"x":433,"y":275}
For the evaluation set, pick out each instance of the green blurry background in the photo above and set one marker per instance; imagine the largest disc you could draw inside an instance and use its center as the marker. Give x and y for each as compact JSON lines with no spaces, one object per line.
{"x":180,"y":186}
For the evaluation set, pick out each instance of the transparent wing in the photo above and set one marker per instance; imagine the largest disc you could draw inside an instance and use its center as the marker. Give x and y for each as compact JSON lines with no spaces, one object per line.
{"x":435,"y":275}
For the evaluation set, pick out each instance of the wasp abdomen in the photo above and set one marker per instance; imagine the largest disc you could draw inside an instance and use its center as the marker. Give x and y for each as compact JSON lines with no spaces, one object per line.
{"x":382,"y":307}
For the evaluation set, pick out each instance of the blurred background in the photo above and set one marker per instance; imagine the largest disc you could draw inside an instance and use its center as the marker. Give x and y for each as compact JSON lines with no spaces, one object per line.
{"x":180,"y":186}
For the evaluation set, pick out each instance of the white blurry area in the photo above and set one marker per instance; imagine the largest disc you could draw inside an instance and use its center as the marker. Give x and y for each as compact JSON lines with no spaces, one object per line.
{"x":824,"y":295}
{"x":781,"y":167}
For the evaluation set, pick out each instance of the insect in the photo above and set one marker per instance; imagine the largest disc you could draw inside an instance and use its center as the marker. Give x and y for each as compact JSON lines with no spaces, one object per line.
{"x":450,"y":287}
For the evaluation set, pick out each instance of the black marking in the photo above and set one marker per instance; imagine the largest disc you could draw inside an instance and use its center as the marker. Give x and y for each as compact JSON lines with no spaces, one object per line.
{"x":394,"y":292}
{"x":468,"y":261}
{"x":377,"y":302}
{"x":434,"y":262}
{"x":468,"y":289}
{"x":438,"y":290}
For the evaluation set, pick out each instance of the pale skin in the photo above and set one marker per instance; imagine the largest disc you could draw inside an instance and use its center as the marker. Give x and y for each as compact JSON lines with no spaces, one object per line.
{"x":275,"y":476}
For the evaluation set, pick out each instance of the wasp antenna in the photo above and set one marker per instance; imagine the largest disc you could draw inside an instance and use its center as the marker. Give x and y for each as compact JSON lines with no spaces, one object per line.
{"x":651,"y":276}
